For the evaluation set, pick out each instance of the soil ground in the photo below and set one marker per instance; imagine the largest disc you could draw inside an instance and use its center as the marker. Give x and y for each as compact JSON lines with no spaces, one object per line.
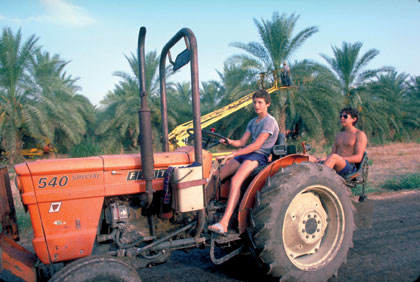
{"x":389,"y":251}
{"x":389,"y":161}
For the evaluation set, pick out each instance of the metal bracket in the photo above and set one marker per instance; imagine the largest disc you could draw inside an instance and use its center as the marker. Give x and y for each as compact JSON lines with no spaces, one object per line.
{"x":219,"y":261}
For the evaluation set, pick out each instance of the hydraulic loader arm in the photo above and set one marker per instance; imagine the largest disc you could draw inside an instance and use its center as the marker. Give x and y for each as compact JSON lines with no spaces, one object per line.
{"x":178,"y":136}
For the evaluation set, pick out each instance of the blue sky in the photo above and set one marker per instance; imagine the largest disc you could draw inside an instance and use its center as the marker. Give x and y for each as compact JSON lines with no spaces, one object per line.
{"x":95,"y":35}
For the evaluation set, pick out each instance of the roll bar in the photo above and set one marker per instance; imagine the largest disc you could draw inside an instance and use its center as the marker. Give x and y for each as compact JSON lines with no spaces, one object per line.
{"x":190,"y":54}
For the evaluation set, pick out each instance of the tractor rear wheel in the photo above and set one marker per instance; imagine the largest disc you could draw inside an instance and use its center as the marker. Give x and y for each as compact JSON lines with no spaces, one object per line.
{"x":302,"y":225}
{"x":96,"y":269}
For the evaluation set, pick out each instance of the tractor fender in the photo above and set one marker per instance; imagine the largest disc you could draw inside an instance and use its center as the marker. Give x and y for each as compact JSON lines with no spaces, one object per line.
{"x":258,"y":183}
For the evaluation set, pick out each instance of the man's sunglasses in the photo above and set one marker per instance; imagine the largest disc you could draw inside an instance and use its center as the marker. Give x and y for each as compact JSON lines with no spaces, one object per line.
{"x":345,"y":116}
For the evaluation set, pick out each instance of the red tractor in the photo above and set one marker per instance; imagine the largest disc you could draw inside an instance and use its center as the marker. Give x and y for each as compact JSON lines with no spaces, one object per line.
{"x":105,"y":216}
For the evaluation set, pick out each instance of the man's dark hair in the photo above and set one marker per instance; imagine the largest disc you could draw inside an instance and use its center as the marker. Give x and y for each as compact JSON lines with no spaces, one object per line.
{"x":351,"y":111}
{"x":262,"y":94}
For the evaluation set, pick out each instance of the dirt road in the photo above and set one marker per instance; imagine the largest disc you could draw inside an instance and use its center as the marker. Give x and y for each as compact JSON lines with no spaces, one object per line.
{"x":389,"y":251}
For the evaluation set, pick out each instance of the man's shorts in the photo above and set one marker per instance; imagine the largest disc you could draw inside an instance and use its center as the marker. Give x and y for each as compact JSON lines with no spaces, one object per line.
{"x":261,"y":158}
{"x":349,"y":168}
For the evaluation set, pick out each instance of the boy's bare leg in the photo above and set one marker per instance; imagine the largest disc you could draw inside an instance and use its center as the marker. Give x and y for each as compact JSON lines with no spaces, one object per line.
{"x":335,"y":161}
{"x":227,"y":170}
{"x":235,"y":190}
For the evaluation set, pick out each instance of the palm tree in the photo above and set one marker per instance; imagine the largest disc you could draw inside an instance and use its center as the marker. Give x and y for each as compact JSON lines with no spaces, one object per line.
{"x":412,"y":103}
{"x":277,"y":42}
{"x":211,"y":95}
{"x":384,"y":107}
{"x":400,"y":101}
{"x":179,"y":98}
{"x":277,"y":45}
{"x":350,"y":67}
{"x":313,"y":107}
{"x":38,"y":100}
{"x":119,"y":119}
{"x":63,"y":114}
{"x":237,"y":80}
{"x":15,"y":117}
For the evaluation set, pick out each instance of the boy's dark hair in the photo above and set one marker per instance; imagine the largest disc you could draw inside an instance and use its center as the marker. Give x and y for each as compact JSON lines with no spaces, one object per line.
{"x":351,"y":111}
{"x":262,"y":94}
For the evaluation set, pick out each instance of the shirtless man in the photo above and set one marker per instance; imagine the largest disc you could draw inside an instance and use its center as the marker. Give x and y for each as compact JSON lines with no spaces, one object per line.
{"x":349,"y":145}
{"x":263,"y":131}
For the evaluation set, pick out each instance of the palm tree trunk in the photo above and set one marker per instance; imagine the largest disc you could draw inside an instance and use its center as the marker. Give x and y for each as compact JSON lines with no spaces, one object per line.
{"x":15,"y":151}
{"x":17,"y":156}
{"x":281,"y":120}
{"x":280,"y":115}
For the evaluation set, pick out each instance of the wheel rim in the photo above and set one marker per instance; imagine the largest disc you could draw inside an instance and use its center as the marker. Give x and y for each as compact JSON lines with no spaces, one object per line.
{"x":313,"y":228}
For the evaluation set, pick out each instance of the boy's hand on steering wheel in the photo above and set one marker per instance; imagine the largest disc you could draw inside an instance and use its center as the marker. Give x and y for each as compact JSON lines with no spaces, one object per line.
{"x":223,"y":141}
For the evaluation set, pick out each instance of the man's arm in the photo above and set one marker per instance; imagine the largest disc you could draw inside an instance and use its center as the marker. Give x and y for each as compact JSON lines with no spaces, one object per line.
{"x":333,"y":151}
{"x":334,"y":146}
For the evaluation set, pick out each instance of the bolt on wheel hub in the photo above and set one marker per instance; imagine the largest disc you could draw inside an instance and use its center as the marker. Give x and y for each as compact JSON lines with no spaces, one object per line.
{"x":312,"y":227}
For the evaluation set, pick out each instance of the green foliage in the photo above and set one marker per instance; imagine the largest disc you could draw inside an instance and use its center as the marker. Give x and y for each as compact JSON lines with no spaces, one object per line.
{"x":86,"y":148}
{"x":314,"y":106}
{"x":15,"y":112}
{"x":407,"y":181}
{"x":237,"y":80}
{"x":23,"y":219}
{"x":348,"y":64}
{"x":39,"y":101}
{"x":179,"y":98}
{"x":411,"y":104}
{"x":37,"y":98}
{"x":119,"y":119}
{"x":358,"y":190}
{"x":276,"y":44}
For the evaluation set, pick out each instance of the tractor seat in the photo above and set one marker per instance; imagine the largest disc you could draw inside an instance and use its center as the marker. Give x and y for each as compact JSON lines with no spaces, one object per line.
{"x":360,"y":175}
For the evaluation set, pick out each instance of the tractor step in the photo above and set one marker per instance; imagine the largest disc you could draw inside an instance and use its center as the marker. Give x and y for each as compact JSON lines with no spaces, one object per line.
{"x":229,"y":237}
{"x":223,"y":259}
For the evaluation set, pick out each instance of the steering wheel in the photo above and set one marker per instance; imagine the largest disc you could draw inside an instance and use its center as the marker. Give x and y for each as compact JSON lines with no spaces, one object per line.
{"x":210,"y":139}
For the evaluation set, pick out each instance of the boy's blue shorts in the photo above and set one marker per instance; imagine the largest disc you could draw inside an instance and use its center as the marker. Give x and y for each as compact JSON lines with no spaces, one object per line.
{"x":349,"y":168}
{"x":261,"y":158}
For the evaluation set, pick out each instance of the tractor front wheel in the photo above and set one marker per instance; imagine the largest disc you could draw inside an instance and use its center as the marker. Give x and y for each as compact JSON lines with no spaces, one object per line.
{"x":96,"y":269}
{"x":302,"y":223}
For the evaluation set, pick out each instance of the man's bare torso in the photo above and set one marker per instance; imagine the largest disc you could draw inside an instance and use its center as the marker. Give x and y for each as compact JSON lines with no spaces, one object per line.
{"x":345,"y":143}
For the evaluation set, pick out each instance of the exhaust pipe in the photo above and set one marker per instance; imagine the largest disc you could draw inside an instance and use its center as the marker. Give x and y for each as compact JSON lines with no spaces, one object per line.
{"x":145,"y":121}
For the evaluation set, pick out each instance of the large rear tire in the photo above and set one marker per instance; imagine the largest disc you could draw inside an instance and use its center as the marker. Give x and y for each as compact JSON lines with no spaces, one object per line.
{"x":97,"y":269}
{"x":302,"y":225}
